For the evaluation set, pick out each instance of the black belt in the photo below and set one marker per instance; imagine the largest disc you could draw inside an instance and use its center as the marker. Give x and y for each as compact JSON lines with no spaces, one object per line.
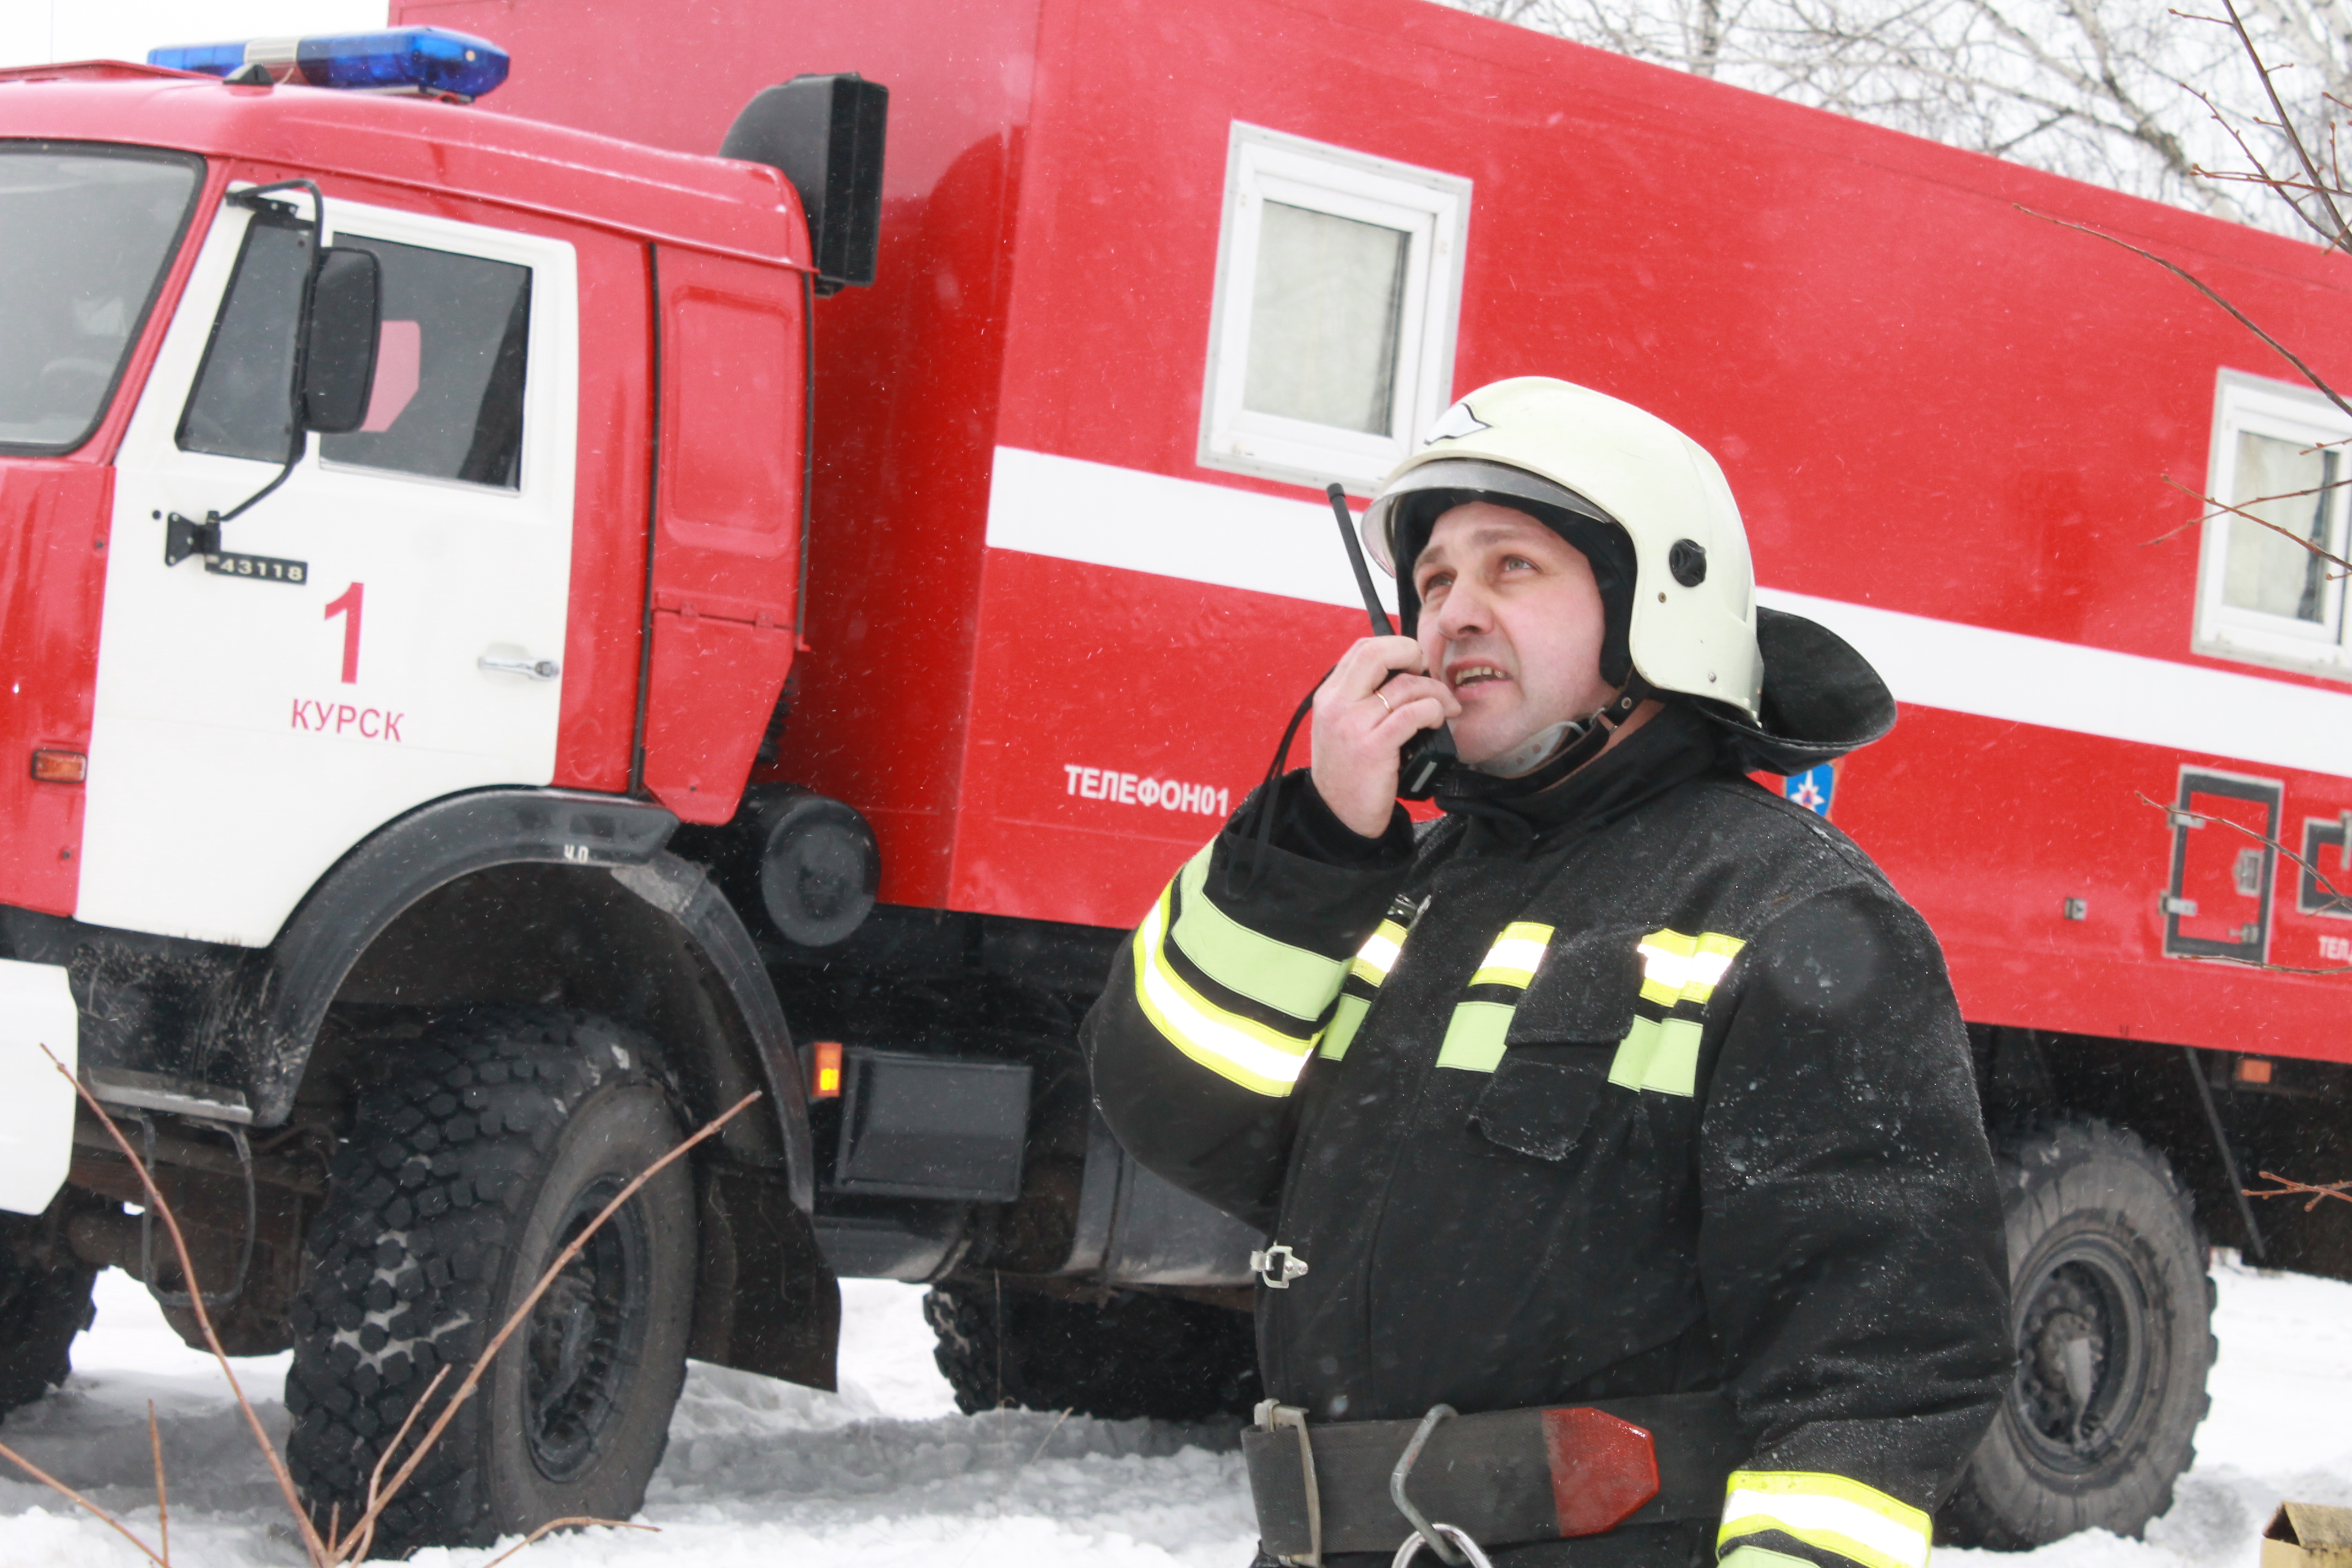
{"x":1502,"y":1476}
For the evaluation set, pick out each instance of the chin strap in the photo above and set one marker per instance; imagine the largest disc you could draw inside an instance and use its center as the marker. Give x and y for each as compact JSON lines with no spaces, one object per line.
{"x":1581,"y":740}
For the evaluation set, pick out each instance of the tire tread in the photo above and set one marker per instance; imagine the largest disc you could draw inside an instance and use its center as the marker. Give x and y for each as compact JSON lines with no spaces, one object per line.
{"x":439,"y":1169}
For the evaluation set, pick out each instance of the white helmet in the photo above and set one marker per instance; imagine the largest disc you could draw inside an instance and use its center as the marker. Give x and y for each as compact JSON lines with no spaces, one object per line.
{"x":1582,"y":461}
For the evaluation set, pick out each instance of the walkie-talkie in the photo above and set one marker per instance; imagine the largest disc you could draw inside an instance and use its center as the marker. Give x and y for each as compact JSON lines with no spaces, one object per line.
{"x":1426,"y":757}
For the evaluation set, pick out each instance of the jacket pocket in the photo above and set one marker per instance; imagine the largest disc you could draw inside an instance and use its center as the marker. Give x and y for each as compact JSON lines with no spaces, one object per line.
{"x":1583,"y":993}
{"x":1539,"y":1105}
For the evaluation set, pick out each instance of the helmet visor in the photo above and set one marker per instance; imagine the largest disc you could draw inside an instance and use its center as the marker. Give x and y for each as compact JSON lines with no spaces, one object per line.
{"x":1397,"y":524}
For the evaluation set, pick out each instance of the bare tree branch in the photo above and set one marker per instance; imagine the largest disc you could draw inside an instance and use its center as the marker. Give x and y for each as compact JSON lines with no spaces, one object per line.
{"x":2223,"y":509}
{"x":68,"y":1492}
{"x":575,"y":1522}
{"x":2264,"y":71}
{"x":162,"y":1501}
{"x":312,"y":1544}
{"x":522,"y":1313}
{"x":2287,"y":1189}
{"x":340,"y":1546}
{"x":2205,"y":289}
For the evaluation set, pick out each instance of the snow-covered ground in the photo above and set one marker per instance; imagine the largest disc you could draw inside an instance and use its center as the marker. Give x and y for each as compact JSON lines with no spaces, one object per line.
{"x":886,"y":1473}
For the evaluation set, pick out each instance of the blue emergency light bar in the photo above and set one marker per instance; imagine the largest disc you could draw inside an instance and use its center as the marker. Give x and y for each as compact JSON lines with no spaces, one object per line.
{"x":416,"y":59}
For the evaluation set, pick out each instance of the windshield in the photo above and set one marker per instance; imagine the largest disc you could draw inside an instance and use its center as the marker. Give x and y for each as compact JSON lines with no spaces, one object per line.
{"x":84,"y":236}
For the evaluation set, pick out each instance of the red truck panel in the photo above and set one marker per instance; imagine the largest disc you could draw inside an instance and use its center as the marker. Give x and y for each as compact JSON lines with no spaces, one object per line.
{"x":1928,"y":400}
{"x":733,"y":208}
{"x":726,"y":546}
{"x":908,"y":384}
{"x":53,"y":543}
{"x":608,"y":530}
{"x":53,"y":538}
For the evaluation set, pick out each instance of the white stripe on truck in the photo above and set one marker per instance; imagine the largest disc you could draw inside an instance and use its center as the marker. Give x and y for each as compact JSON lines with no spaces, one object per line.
{"x":1203,"y":533}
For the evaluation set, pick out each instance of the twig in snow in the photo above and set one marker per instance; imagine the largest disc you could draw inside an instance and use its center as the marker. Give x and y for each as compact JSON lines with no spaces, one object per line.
{"x":1048,"y":1438}
{"x":579,"y":1520}
{"x":375,"y":1477}
{"x":337,"y":1546}
{"x":312,"y":1544}
{"x":162,"y":1503}
{"x":68,"y":1492}
{"x":365,"y":1527}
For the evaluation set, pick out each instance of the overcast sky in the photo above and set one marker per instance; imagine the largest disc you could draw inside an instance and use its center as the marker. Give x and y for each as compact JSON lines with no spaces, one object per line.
{"x":33,"y":32}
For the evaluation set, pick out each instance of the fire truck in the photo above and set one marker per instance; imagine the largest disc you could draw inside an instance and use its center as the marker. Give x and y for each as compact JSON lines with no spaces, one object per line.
{"x":526,"y":621}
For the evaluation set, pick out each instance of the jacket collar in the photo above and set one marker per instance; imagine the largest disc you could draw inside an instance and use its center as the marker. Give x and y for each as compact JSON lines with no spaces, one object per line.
{"x":1674,"y":747}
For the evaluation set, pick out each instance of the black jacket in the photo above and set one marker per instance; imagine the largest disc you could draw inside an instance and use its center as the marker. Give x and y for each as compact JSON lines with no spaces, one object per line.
{"x":1664,"y":1090}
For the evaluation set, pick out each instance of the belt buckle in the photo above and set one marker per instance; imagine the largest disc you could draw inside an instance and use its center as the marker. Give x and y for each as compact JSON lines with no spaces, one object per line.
{"x":1413,"y":1542}
{"x":1453,"y":1547}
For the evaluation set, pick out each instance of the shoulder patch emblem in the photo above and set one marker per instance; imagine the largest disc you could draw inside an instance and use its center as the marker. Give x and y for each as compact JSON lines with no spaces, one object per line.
{"x":1812,"y":788}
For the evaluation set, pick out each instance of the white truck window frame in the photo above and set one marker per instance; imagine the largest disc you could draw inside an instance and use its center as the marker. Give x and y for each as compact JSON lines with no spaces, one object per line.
{"x":2270,"y":439}
{"x":1263,"y":410}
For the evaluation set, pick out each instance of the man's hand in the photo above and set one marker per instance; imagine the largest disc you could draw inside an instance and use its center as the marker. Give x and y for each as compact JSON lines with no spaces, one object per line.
{"x":1360,"y":725}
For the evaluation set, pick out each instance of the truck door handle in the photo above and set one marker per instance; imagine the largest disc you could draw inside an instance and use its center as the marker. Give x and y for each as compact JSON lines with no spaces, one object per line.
{"x":531,"y":668}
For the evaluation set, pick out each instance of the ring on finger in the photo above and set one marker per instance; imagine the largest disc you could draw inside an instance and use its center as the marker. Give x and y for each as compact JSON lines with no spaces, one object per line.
{"x":1383,"y":700}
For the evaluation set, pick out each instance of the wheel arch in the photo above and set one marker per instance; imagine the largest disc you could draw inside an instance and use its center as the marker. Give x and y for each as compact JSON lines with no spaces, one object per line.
{"x":2035,"y":1078}
{"x":538,"y":896}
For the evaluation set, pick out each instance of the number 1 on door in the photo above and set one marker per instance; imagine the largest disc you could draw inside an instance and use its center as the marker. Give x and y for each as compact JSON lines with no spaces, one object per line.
{"x":348,"y":607}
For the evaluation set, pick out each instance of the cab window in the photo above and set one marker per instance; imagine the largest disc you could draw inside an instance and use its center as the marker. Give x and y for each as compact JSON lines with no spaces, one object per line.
{"x":450,"y":368}
{"x":243,"y":405}
{"x":86,"y":234}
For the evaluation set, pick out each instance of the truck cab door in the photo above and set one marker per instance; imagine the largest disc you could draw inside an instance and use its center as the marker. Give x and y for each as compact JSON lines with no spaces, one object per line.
{"x":384,"y":628}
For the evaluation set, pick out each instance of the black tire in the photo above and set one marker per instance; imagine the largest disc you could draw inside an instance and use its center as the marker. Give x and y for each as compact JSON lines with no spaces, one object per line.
{"x":42,"y":1308}
{"x":2110,"y":1298}
{"x":1133,"y":1354}
{"x":470,"y":1164}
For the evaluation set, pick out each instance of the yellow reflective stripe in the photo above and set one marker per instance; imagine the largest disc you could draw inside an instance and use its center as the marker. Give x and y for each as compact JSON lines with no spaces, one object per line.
{"x":1827,"y":1511}
{"x":1633,"y":1053}
{"x":1660,"y":1055}
{"x":1674,"y":1060}
{"x":1665,"y":954}
{"x":1762,"y":1557}
{"x":1289,"y":979}
{"x":1716,"y":951}
{"x":1242,"y":1049}
{"x":1513,"y":958}
{"x":1474,"y":1036}
{"x":1346,"y":1019}
{"x":1678,"y":968}
{"x":1379,"y":953}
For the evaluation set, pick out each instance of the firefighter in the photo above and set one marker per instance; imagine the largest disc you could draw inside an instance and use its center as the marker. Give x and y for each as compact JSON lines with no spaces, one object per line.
{"x":1616,"y":1132}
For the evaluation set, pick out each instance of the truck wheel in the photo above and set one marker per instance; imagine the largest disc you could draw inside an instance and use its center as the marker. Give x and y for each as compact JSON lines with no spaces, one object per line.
{"x":2112,"y":1312}
{"x":1134,"y":1354}
{"x":470,"y":1164}
{"x":41,"y":1310}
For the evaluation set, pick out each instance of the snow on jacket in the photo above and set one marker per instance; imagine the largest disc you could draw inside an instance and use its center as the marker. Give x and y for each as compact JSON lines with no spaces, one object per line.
{"x":1652,"y":1085}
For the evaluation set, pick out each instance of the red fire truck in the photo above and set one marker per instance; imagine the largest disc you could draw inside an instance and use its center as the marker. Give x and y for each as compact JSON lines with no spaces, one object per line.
{"x":659,"y":671}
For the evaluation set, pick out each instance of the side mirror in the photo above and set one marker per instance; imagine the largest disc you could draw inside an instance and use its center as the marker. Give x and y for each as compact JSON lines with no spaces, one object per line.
{"x":338,"y":339}
{"x":825,"y":134}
